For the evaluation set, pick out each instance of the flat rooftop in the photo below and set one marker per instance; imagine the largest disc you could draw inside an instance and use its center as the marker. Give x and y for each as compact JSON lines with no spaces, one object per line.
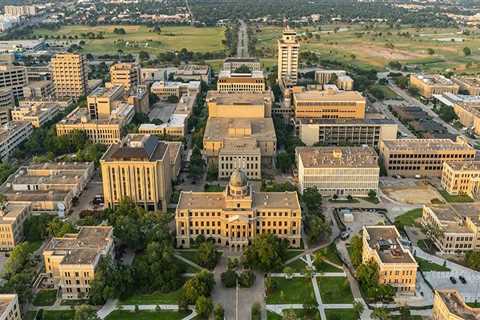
{"x":240,"y":60}
{"x":434,"y":79}
{"x":328,"y":96}
{"x":239,"y":98}
{"x":425,"y":145}
{"x":338,"y":157}
{"x":106,"y":92}
{"x":217,"y":128}
{"x":456,"y":305}
{"x":11,"y":213}
{"x":193,"y":69}
{"x":227,"y":74}
{"x":470,"y":81}
{"x":467,"y":165}
{"x":346,"y":122}
{"x":136,"y":147}
{"x":175,"y":84}
{"x":82,"y":115}
{"x":64,"y":166}
{"x":385,"y":240}
{"x":8,"y":129}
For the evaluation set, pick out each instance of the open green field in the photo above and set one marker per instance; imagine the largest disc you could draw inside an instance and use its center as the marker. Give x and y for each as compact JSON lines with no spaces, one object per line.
{"x":295,"y":290}
{"x":58,"y":314}
{"x":408,"y":218}
{"x":454,"y":198}
{"x":138,"y":38}
{"x":335,"y":290}
{"x":145,"y":315}
{"x":340,"y":314}
{"x":45,"y":298}
{"x":153,"y":298}
{"x":377,"y":46}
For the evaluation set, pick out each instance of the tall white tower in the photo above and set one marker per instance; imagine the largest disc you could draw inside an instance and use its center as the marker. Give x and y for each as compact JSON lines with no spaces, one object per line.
{"x":288,"y":50}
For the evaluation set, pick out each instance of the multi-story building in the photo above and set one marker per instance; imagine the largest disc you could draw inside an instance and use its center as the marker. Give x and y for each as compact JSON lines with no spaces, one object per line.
{"x":462,"y":178}
{"x":165,"y":89}
{"x":340,"y":171}
{"x":429,"y":85}
{"x":234,"y":218}
{"x":174,"y":149}
{"x":48,"y":187}
{"x":449,"y":304}
{"x":71,"y":261}
{"x":151,"y":75}
{"x":105,"y":131}
{"x":19,"y":11}
{"x":138,"y":168}
{"x":422,"y":157}
{"x":234,"y":63}
{"x":101,"y":102}
{"x":70,"y":75}
{"x":324,"y":76}
{"x":41,"y":89}
{"x":194,"y":72}
{"x":346,"y":132}
{"x":466,"y":107}
{"x":396,"y":265}
{"x":329,"y":104}
{"x":469,"y":84}
{"x":12,"y":218}
{"x":10,"y":309}
{"x":38,"y":72}
{"x":11,"y":136}
{"x":345,"y":83}
{"x":231,"y":82}
{"x":239,"y":105}
{"x":174,"y":128}
{"x":14,"y":78}
{"x":240,"y":154}
{"x":125,"y":74}
{"x":139,"y":99}
{"x":6,"y":105}
{"x":288,"y":56}
{"x":37,"y":113}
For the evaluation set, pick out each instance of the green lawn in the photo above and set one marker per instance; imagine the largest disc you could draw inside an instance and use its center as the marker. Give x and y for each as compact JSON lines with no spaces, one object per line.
{"x":139,"y":37}
{"x":335,"y":290}
{"x":474,"y":304}
{"x":426,"y":265}
{"x":188,"y":254}
{"x":300,"y":313}
{"x":293,"y":253}
{"x":30,"y":315}
{"x":188,"y":268}
{"x":330,"y":253}
{"x":145,"y":315}
{"x":408,"y":218}
{"x":273,"y":316}
{"x":340,"y":314}
{"x":323,"y":266}
{"x":45,"y":298}
{"x":387,"y":93}
{"x":453,"y":198}
{"x":153,"y":298}
{"x":298,"y":265}
{"x":58,"y":315}
{"x":295,"y":290}
{"x":213,"y":188}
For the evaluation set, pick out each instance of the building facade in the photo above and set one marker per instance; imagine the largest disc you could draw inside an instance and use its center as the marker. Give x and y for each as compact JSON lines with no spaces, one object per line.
{"x":70,"y":75}
{"x":11,"y":136}
{"x":233,"y":63}
{"x":231,"y":82}
{"x":6,"y":105}
{"x":12,"y":218}
{"x":288,"y":56}
{"x":125,"y":74}
{"x":165,"y":89}
{"x":462,"y":178}
{"x":422,"y":157}
{"x":10,"y":307}
{"x":396,"y":265}
{"x":429,"y":85}
{"x":469,"y":84}
{"x":37,"y":114}
{"x":234,"y":218}
{"x":239,"y":105}
{"x":42,"y":89}
{"x":137,"y":168}
{"x":14,"y":78}
{"x":194,"y":72}
{"x":449,"y":304}
{"x":100,"y":102}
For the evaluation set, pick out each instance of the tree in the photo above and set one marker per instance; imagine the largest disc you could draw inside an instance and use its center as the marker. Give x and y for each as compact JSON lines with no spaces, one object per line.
{"x":207,"y":255}
{"x":472,"y":259}
{"x":35,"y":227}
{"x":256,"y":310}
{"x":381,"y":314}
{"x":267,"y":252}
{"x":289,"y":314}
{"x":283,"y":161}
{"x":85,"y":312}
{"x":229,"y":278}
{"x":358,"y":309}
{"x":288,"y":272}
{"x":372,"y":194}
{"x":246,"y":279}
{"x":204,"y":306}
{"x":317,"y":228}
{"x":312,"y":199}
{"x":58,"y":228}
{"x":197,"y":164}
{"x":18,"y":259}
{"x":200,"y":285}
{"x":467,"y":51}
{"x":405,"y":313}
{"x":430,"y":51}
{"x":212,"y":172}
{"x":218,"y":312}
{"x":356,"y":246}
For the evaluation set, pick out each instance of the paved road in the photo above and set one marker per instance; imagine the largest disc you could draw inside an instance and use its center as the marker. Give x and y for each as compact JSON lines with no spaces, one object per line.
{"x":383,"y":107}
{"x":242,"y":46}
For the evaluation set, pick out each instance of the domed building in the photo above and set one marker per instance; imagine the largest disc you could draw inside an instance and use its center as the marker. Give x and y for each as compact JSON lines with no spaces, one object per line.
{"x":235,"y":216}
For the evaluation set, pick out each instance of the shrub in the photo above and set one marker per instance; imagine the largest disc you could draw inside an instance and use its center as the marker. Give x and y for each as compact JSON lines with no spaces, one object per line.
{"x":229,"y":278}
{"x":247,"y":279}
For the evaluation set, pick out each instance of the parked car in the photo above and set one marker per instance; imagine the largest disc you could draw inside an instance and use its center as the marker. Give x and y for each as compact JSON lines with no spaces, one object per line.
{"x":453,"y":280}
{"x":462,"y":279}
{"x":344,"y":235}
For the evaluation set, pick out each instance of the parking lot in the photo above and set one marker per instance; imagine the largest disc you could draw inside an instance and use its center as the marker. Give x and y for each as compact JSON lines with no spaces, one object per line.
{"x":84,"y":202}
{"x":362,"y":218}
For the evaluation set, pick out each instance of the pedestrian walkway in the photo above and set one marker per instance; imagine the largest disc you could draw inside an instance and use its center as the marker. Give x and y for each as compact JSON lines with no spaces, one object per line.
{"x":188,"y":262}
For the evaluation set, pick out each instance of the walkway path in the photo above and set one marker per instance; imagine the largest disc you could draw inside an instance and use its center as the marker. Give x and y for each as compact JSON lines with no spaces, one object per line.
{"x":242,"y":46}
{"x":188,"y":262}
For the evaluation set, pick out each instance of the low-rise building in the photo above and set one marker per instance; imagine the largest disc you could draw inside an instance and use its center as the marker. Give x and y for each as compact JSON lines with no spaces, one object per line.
{"x":325,"y":76}
{"x":234,"y":63}
{"x":234,"y":218}
{"x":151,"y":75}
{"x":12,"y":218}
{"x":194,"y":72}
{"x":462,"y":178}
{"x":346,"y":132}
{"x":71,"y":261}
{"x":165,"y":89}
{"x":329,"y":104}
{"x":231,"y":82}
{"x":138,"y":168}
{"x":340,"y":171}
{"x":37,"y":114}
{"x":469,"y":84}
{"x":39,"y":89}
{"x":466,"y":107}
{"x":6,"y":105}
{"x":429,"y":85}
{"x":174,"y":128}
{"x":345,"y":83}
{"x":12,"y":135}
{"x":422,"y":157}
{"x":10,"y":307}
{"x":449,"y":304}
{"x":239,"y":105}
{"x":396,"y":265}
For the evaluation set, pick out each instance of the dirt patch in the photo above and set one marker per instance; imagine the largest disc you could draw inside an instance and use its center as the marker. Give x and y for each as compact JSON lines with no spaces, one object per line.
{"x":417,"y":194}
{"x":386,"y":53}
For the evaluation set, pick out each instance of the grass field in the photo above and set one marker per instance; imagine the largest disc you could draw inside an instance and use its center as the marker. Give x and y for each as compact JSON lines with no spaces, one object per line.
{"x":45,"y":298}
{"x":427,"y":266}
{"x":408,"y":218}
{"x":138,"y":38}
{"x":322,"y":266}
{"x":153,"y":298}
{"x":376,"y":47}
{"x":58,"y":315}
{"x":273,"y":316}
{"x":145,"y":315}
{"x":340,"y":314}
{"x":454,"y":198}
{"x":335,"y":290}
{"x":295,"y":290}
{"x":330,"y":253}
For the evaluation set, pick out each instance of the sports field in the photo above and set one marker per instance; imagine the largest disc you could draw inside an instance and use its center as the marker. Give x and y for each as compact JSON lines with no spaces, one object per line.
{"x":138,"y":38}
{"x":378,"y":45}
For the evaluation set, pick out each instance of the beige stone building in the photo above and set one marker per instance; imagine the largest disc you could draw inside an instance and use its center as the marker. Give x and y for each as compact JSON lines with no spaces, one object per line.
{"x":71,"y":261}
{"x":18,"y":11}
{"x":468,"y":113}
{"x":233,"y":63}
{"x":422,"y":157}
{"x":329,"y":104}
{"x":240,"y":154}
{"x":194,"y":72}
{"x":165,"y":89}
{"x":239,"y":105}
{"x":14,"y":78}
{"x":37,"y":114}
{"x":139,"y":99}
{"x":175,"y":128}
{"x":70,"y":74}
{"x":469,"y":84}
{"x":325,"y":76}
{"x":449,"y":304}
{"x":101,"y":101}
{"x":345,"y":83}
{"x":236,"y":216}
{"x":288,"y":56}
{"x":125,"y":74}
{"x":11,"y":136}
{"x":340,"y":171}
{"x":462,"y":178}
{"x":231,"y":82}
{"x":6,"y":105}
{"x":12,"y":218}
{"x":396,"y":265}
{"x":429,"y":85}
{"x":346,"y":132}
{"x":39,"y":89}
{"x":138,"y":168}
{"x":10,"y":307}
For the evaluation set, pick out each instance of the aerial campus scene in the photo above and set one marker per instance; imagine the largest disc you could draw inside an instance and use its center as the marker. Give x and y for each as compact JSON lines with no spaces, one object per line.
{"x":239,"y":159}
